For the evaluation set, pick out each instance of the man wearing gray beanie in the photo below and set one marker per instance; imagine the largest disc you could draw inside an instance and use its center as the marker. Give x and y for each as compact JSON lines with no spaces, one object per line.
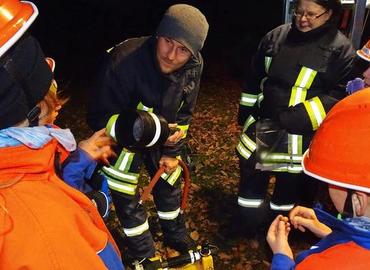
{"x":160,"y":74}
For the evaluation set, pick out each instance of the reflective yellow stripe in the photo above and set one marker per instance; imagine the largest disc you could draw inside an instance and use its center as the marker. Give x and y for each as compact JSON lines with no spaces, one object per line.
{"x":251,"y":145}
{"x":295,"y":144}
{"x":124,"y":160}
{"x":184,"y":128}
{"x":121,"y":187}
{"x":249,"y":203}
{"x":138,"y":230}
{"x":248,"y":99}
{"x":282,"y":157}
{"x":262,"y":83}
{"x":142,"y":107}
{"x":111,"y":126}
{"x":316,"y":111}
{"x":302,"y":84}
{"x":243,"y":150}
{"x":268,"y":60}
{"x":170,"y":215}
{"x":120,"y":175}
{"x":250,"y":120}
{"x":291,"y":168}
{"x":260,"y":98}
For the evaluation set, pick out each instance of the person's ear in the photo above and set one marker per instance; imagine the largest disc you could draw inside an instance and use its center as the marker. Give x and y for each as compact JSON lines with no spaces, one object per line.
{"x":360,"y":203}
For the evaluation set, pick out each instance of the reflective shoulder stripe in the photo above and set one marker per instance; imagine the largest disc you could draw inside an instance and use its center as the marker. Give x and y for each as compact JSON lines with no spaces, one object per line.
{"x":121,"y":186}
{"x":304,"y":81}
{"x":315,"y":111}
{"x":249,"y":203}
{"x":111,"y":126}
{"x":142,"y":107}
{"x":286,"y":207}
{"x":248,"y":99}
{"x":268,"y":60}
{"x":184,"y":128}
{"x":170,"y":215}
{"x":138,"y":230}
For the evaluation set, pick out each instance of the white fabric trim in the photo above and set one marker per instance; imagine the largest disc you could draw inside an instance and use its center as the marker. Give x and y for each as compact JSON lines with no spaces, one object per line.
{"x":21,"y":31}
{"x":131,"y":232}
{"x":250,"y":203}
{"x":169,"y":215}
{"x":331,"y":181}
{"x":157,"y":129}
{"x":286,"y":207}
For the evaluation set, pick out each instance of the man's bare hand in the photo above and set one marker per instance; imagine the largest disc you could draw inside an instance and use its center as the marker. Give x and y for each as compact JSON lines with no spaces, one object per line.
{"x":169,"y":164}
{"x":175,"y":137}
{"x":277,"y":236}
{"x":303,"y":218}
{"x":98,"y":146}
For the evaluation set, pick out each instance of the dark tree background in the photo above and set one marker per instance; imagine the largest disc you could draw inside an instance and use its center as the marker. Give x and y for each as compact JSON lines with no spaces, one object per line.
{"x":77,"y":33}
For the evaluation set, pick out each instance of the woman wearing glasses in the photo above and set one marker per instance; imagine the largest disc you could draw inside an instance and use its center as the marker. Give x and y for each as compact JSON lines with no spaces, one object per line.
{"x":298,"y":73}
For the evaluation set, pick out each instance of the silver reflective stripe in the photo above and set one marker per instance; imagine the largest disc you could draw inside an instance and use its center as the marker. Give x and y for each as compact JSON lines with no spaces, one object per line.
{"x":268,"y":60}
{"x":157,"y":129}
{"x":171,"y":215}
{"x":248,"y":99}
{"x":249,"y":203}
{"x":122,"y":187}
{"x":250,"y":120}
{"x":286,"y":207}
{"x":294,"y":140}
{"x":124,"y":161}
{"x":135,"y":231}
{"x":251,"y":145}
{"x":284,"y":158}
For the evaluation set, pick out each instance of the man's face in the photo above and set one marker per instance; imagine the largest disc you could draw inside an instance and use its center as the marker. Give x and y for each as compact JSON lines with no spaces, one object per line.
{"x":171,"y":55}
{"x":366,"y":75}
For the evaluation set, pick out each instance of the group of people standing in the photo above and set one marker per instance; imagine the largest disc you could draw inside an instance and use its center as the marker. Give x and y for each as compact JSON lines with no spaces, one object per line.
{"x":54,"y":196}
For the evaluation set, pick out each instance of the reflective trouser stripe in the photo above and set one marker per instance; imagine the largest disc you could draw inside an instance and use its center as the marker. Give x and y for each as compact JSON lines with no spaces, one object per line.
{"x":302,"y":84}
{"x":185,"y":129}
{"x":138,"y":230}
{"x":246,"y":145}
{"x":111,"y":126}
{"x":170,"y":215}
{"x":268,"y":60}
{"x":286,"y":207}
{"x":316,"y":111}
{"x":248,"y":99}
{"x":142,"y":107}
{"x":249,"y":203}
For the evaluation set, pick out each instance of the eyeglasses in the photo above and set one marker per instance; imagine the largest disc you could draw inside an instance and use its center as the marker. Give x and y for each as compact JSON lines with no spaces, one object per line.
{"x":308,"y":15}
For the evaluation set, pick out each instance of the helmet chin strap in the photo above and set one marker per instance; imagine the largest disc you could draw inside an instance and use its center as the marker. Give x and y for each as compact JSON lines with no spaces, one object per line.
{"x":33,"y":116}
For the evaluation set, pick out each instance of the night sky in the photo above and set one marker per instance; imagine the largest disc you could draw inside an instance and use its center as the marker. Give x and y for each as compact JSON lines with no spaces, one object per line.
{"x":76,"y":33}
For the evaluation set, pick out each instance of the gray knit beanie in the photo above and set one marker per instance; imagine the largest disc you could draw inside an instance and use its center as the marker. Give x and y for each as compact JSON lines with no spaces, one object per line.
{"x":185,"y":24}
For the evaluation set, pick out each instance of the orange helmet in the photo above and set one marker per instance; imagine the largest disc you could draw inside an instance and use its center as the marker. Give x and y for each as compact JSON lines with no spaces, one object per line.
{"x":15,"y":18}
{"x":364,"y":53}
{"x":339,"y":152}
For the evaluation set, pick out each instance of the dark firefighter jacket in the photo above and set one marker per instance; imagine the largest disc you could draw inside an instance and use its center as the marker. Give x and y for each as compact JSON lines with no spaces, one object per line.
{"x":295,"y":79}
{"x":131,"y":78}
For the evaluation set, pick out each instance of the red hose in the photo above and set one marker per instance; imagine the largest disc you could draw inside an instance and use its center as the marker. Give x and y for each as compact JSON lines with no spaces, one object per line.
{"x":156,"y":177}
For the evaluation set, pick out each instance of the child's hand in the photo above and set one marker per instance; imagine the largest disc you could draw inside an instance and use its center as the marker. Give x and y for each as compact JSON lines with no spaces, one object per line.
{"x":98,"y":146}
{"x":303,"y":218}
{"x":277,"y":236}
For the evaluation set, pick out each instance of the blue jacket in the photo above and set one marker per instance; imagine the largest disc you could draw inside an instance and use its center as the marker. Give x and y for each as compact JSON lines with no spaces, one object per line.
{"x":343,"y":232}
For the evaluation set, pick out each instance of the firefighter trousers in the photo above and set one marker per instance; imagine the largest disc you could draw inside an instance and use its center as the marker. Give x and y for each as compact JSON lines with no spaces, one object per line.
{"x":123,"y":179}
{"x":289,"y":189}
